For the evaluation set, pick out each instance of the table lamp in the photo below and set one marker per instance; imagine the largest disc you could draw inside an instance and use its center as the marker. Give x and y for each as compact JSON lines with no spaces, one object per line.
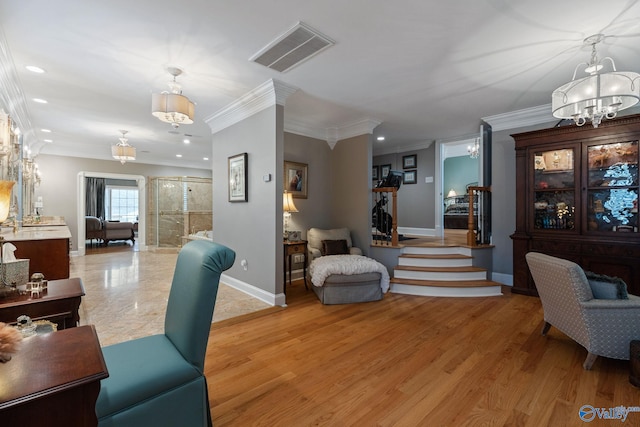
{"x":5,"y":203}
{"x":287,"y":208}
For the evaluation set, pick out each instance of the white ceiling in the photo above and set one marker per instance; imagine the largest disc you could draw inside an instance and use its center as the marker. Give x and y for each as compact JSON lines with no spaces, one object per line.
{"x":426,"y":70}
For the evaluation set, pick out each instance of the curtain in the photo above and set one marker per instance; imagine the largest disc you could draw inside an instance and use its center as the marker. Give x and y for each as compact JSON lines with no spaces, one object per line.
{"x":94,"y":197}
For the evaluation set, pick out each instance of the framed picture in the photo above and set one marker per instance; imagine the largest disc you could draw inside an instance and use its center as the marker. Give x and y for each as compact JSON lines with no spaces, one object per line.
{"x":384,"y":171}
{"x":238,"y":177}
{"x":375,"y":173}
{"x":295,"y":179}
{"x":409,"y":162}
{"x":410,"y":177}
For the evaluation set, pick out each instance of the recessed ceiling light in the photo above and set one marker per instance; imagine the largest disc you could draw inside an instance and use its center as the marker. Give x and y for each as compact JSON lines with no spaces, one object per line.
{"x":40,"y":100}
{"x":186,"y":141}
{"x":45,"y":130}
{"x":34,"y":69}
{"x":380,"y":138}
{"x":205,"y":158}
{"x":48,"y":140}
{"x":178,"y":155}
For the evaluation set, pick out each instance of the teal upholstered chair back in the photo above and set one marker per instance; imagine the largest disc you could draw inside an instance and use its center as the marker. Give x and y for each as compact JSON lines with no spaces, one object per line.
{"x":193,"y":296}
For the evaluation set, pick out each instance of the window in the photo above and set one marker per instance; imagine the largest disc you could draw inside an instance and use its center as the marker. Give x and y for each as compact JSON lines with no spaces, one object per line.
{"x":121,"y":203}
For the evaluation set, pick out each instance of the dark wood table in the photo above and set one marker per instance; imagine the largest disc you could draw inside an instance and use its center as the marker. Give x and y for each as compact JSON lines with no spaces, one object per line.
{"x":298,"y":247}
{"x":53,"y":380}
{"x":59,"y":304}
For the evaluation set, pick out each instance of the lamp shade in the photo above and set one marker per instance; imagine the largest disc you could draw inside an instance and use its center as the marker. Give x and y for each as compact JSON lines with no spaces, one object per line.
{"x":452,"y":193}
{"x":5,"y":198}
{"x":172,"y":108}
{"x":287,"y":203}
{"x":123,"y":153}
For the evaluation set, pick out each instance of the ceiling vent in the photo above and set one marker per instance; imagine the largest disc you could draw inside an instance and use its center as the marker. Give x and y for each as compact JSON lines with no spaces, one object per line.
{"x":293,"y":47}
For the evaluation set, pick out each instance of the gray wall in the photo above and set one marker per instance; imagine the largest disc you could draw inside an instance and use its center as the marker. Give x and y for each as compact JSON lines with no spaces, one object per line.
{"x":312,"y":211}
{"x":59,"y":182}
{"x":252,"y":229}
{"x":415,"y":201}
{"x":351,"y":196}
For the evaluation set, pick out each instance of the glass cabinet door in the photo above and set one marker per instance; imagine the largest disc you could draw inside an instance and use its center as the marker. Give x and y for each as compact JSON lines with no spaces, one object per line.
{"x":612,"y":192}
{"x":554,"y":189}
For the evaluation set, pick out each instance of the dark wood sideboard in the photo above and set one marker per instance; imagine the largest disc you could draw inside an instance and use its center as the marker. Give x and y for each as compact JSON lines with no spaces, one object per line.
{"x":53,"y":380}
{"x":577,"y":198}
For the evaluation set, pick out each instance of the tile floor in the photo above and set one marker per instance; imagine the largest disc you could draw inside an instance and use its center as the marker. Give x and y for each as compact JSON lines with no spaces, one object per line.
{"x":126,"y":292}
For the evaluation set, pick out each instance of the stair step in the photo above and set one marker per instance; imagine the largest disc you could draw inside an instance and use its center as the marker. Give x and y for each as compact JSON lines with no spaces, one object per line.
{"x":436,"y":250}
{"x":446,"y":283}
{"x":437,"y":256}
{"x":440,"y":273}
{"x":438,"y":260}
{"x":465,"y":269}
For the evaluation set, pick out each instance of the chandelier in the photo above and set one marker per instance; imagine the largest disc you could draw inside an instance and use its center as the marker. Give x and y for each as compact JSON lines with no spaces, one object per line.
{"x":172,"y":106}
{"x":598,"y":95}
{"x":474,"y":150}
{"x":122,"y":150}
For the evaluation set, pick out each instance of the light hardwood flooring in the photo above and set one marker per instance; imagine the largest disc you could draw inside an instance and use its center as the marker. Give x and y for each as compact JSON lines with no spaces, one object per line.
{"x":406,"y":361}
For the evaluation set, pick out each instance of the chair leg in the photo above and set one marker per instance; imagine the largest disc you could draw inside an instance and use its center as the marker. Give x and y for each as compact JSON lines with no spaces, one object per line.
{"x":588,"y":362}
{"x":545,"y":328}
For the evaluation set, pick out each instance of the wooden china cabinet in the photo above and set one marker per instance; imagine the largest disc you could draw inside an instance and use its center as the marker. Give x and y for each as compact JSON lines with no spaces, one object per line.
{"x":577,"y":199}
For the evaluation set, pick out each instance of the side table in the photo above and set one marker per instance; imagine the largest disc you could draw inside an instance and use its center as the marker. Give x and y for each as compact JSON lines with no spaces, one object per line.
{"x":53,"y":380}
{"x":294,"y":248}
{"x":59,"y":304}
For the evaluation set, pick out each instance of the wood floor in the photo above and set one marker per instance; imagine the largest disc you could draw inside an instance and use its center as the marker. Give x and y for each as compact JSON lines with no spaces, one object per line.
{"x":406,"y":361}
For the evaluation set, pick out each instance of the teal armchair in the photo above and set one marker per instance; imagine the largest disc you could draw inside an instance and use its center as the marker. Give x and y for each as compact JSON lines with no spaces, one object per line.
{"x":159,"y":380}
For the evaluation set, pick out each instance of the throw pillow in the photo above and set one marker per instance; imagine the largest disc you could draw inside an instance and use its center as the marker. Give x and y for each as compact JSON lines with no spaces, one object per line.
{"x":334,"y":247}
{"x":606,"y":287}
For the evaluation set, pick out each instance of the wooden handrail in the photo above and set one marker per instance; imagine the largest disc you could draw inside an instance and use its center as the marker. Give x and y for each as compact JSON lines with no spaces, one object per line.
{"x":472,"y":226}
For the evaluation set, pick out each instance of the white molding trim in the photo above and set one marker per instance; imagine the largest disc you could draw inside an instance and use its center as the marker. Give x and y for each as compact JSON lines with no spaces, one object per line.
{"x":331,"y":134}
{"x":261,"y":294}
{"x":379,"y":151}
{"x":521,"y":118}
{"x":269,"y":93}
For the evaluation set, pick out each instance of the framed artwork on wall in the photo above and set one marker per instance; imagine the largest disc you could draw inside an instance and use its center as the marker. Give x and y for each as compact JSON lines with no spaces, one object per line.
{"x":384,"y":171}
{"x":295,"y":179}
{"x":375,"y":173}
{"x":409,"y":162}
{"x":238,"y":177}
{"x":410,"y":177}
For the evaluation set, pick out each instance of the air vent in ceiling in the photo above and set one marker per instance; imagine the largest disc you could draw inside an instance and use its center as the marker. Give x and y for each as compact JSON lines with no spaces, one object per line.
{"x":293,"y":47}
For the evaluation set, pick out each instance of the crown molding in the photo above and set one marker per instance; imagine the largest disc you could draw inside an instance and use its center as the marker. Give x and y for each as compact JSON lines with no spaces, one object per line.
{"x":422,"y":145}
{"x":521,"y":118}
{"x":272,"y":92}
{"x":330,"y":134}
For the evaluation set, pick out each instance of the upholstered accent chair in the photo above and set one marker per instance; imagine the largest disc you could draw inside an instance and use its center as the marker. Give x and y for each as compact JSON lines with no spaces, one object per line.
{"x":604,"y":327}
{"x":159,"y":380}
{"x":315,"y":237}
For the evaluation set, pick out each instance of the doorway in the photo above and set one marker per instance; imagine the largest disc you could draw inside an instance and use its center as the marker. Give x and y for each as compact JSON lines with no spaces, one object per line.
{"x":81,"y":191}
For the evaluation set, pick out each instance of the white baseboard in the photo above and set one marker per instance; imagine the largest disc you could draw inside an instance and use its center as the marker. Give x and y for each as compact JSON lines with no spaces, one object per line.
{"x":261,"y":294}
{"x":414,"y":231}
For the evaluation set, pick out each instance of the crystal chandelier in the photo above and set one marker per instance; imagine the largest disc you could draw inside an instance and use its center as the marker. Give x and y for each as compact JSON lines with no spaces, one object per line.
{"x":597,"y":96}
{"x":474,"y":150}
{"x":173,"y":107}
{"x":122,"y":150}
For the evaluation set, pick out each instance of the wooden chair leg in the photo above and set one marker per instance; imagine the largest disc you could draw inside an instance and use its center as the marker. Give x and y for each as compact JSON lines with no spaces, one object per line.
{"x":588,"y":362}
{"x":545,"y":328}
